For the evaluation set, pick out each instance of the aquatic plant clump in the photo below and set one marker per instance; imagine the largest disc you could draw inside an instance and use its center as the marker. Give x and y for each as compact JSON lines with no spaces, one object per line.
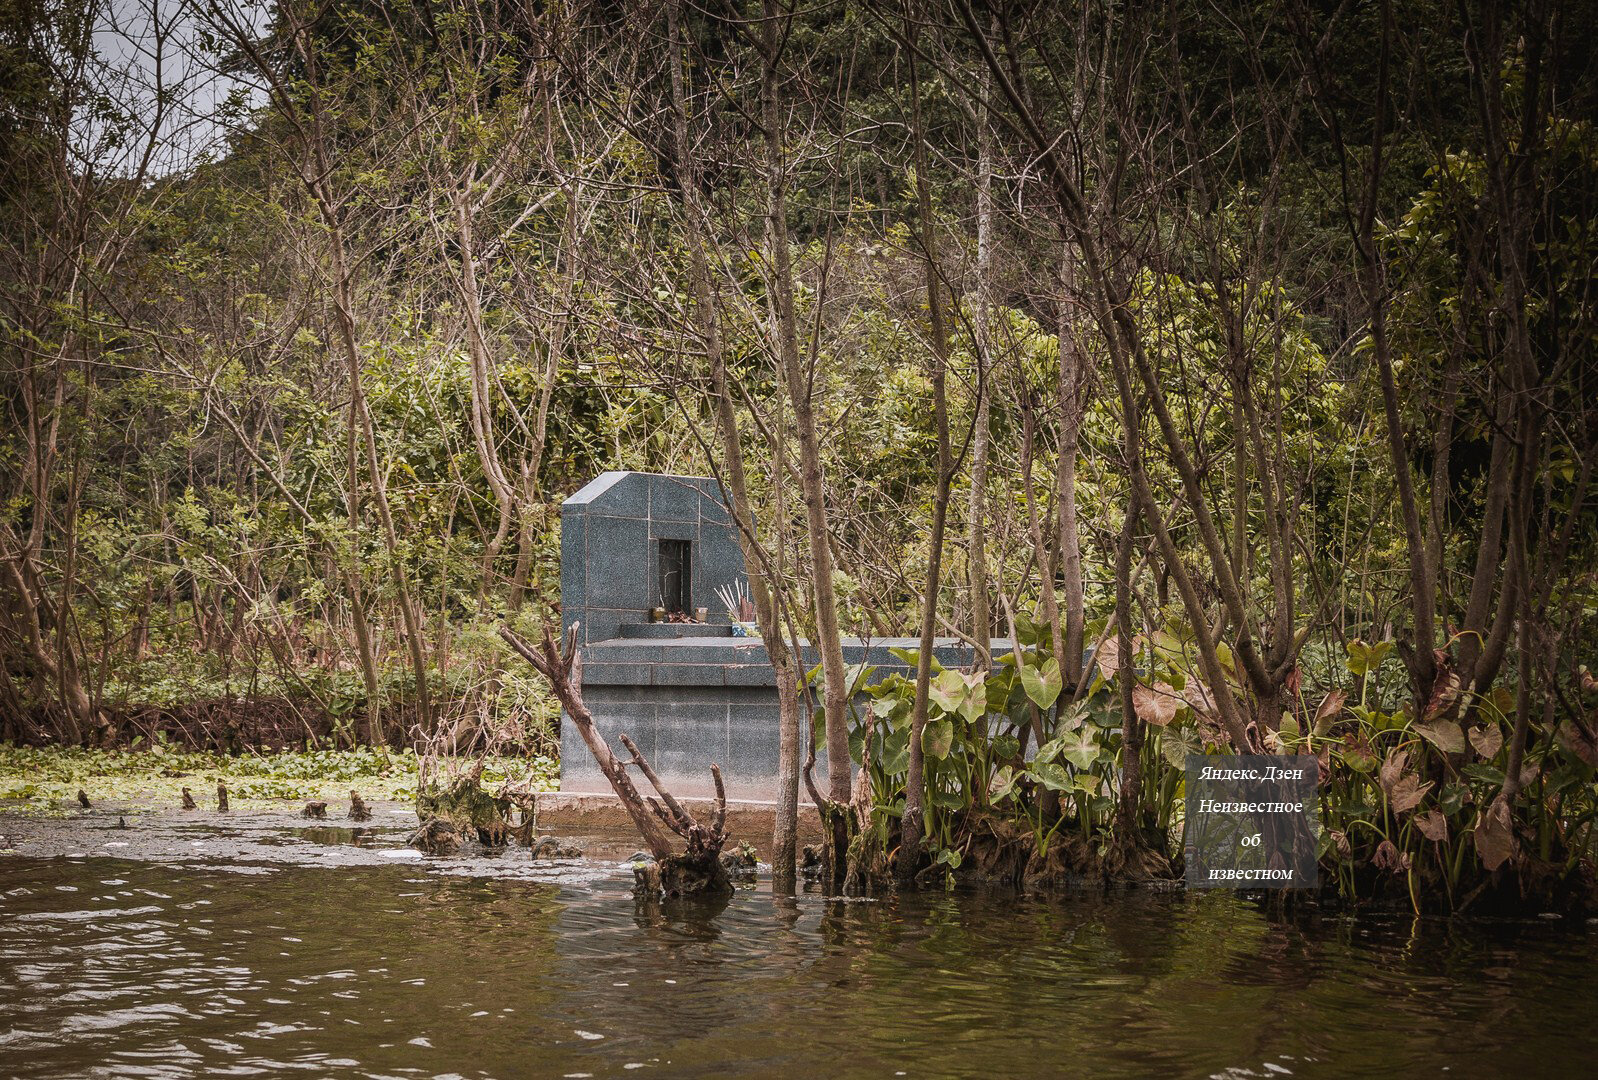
{"x":1027,"y":783}
{"x":46,"y":779}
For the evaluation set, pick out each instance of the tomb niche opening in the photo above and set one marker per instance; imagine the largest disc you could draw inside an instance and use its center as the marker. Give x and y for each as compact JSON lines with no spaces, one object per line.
{"x":675,"y":559}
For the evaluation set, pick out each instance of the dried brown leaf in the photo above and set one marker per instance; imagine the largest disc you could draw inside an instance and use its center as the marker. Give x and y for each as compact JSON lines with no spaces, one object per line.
{"x":1108,"y":656}
{"x":1403,"y":789}
{"x":1445,"y":691}
{"x":1389,"y":858}
{"x":1446,"y":735}
{"x":1391,"y":770}
{"x":1487,"y":740}
{"x":1155,"y":704}
{"x":1407,"y":793}
{"x":1199,"y":698}
{"x":1495,"y":834}
{"x":1331,"y":705}
{"x":1432,"y":825}
{"x":1580,"y":743}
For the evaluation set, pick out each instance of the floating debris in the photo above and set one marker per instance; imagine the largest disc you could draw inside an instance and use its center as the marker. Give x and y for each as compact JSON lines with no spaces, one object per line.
{"x":744,"y":861}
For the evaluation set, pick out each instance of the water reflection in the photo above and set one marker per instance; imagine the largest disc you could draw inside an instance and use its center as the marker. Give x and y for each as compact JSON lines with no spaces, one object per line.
{"x":357,"y":836}
{"x":161,"y":970}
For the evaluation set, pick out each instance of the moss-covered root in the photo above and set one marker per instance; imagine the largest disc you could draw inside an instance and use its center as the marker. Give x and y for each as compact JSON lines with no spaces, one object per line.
{"x":436,"y":837}
{"x":681,"y":877}
{"x":870,"y":868}
{"x":465,"y":808}
{"x":697,"y":874}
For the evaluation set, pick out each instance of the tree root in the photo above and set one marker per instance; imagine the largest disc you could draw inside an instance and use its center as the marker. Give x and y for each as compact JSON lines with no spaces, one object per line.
{"x":436,"y":837}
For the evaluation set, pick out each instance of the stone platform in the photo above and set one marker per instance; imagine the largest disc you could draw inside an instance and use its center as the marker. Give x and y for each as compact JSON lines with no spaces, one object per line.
{"x":691,"y":701}
{"x":751,"y":820}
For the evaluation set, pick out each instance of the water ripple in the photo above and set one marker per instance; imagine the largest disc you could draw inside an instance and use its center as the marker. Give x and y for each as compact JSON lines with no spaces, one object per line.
{"x":389,"y":970}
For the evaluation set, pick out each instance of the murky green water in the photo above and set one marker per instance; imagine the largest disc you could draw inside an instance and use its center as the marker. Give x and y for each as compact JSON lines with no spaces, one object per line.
{"x":111,"y":967}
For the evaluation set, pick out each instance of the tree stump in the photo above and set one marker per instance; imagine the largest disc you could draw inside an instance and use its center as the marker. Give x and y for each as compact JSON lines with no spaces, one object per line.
{"x":462,"y":805}
{"x":317,"y":811}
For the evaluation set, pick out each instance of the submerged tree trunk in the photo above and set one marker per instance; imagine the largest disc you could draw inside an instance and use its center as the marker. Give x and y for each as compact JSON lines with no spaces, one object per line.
{"x":697,"y":869}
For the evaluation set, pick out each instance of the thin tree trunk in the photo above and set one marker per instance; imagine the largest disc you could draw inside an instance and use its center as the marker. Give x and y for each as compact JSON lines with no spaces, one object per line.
{"x":784,"y":840}
{"x":835,"y":696}
{"x":482,"y":405}
{"x":1073,"y":400}
{"x":1131,"y":794}
{"x":977,"y":506}
{"x":912,"y":825}
{"x":360,"y":415}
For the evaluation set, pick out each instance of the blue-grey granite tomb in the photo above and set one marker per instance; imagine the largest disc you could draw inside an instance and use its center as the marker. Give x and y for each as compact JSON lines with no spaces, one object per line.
{"x":688,"y":693}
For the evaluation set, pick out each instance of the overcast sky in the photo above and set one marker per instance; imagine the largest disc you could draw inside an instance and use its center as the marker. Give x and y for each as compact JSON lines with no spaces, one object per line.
{"x":143,"y":45}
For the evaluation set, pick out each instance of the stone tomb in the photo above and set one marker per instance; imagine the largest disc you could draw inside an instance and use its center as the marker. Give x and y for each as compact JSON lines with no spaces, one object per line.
{"x":688,"y":693}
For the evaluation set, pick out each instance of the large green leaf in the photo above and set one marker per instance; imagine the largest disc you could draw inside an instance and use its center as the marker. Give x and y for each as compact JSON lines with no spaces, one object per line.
{"x":912,"y":657}
{"x":1005,"y":747}
{"x":1051,"y":776}
{"x":1080,"y":747}
{"x":947,"y":691}
{"x":1176,"y":744}
{"x":961,"y":695}
{"x":1004,"y":782}
{"x":1363,"y":658}
{"x":937,"y":738}
{"x":1043,"y":684}
{"x":893,"y":751}
{"x":1050,"y":750}
{"x":857,"y":675}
